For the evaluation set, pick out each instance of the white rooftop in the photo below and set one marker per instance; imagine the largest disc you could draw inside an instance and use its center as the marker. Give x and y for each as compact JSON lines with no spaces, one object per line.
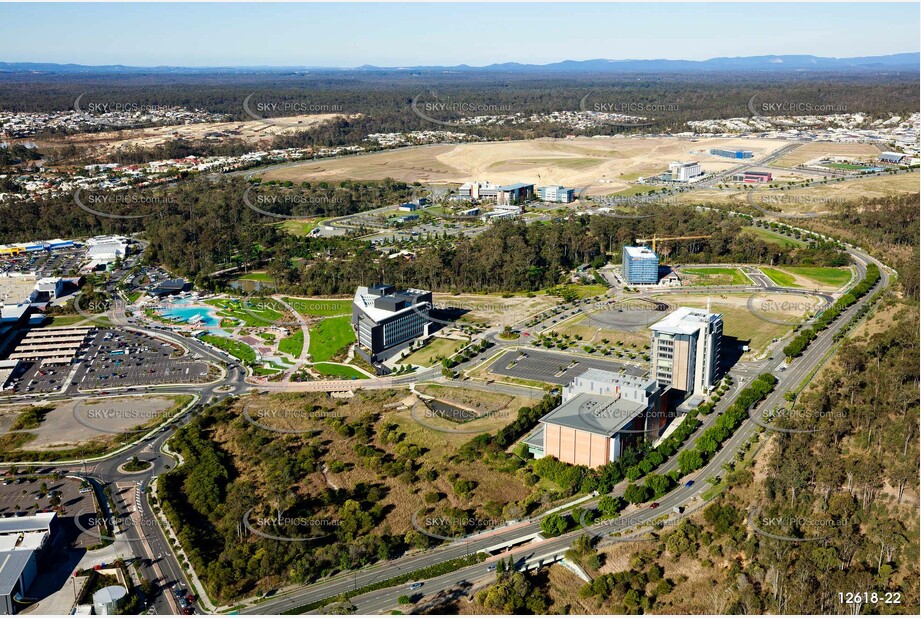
{"x":684,"y":321}
{"x":639,"y":252}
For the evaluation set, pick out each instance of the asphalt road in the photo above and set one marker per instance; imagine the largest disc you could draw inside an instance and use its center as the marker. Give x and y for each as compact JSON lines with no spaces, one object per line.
{"x":688,"y":497}
{"x":166,"y":570}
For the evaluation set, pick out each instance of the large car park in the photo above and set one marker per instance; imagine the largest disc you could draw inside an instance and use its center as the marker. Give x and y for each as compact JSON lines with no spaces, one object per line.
{"x":60,"y":262}
{"x":114,"y":358}
{"x":120,"y":358}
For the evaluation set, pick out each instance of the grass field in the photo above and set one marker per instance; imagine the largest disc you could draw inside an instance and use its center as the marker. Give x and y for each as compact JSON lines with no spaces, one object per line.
{"x":329,"y":336}
{"x":816,"y":150}
{"x":847,"y":166}
{"x":338,"y":371}
{"x":260,"y":312}
{"x":319,"y":307}
{"x":299,"y":227}
{"x":769,"y":236}
{"x":292,"y":344}
{"x":717,"y":276}
{"x":834,"y":277}
{"x":235,"y":348}
{"x":435,"y":349}
{"x":65,"y":320}
{"x":592,"y":333}
{"x":256,"y":276}
{"x":780,"y":277}
{"x":635,"y":190}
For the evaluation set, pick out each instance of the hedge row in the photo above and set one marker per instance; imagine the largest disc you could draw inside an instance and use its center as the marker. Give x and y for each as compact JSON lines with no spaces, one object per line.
{"x":805,"y":337}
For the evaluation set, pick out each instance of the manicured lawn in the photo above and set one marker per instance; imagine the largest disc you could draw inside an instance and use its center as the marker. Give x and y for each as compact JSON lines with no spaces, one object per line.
{"x":826,"y":275}
{"x":780,"y":278}
{"x":257,"y":276}
{"x":66,"y":320}
{"x":437,"y":347}
{"x":846,"y":166}
{"x":718,"y":276}
{"x":319,"y":307}
{"x":635,"y":190}
{"x":256,"y":311}
{"x":235,"y":348}
{"x":329,"y":336}
{"x":292,"y":344}
{"x":338,"y":371}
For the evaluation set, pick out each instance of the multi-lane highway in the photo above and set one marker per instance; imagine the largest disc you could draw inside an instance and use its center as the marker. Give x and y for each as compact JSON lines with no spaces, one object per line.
{"x":630,"y":519}
{"x":145,"y":539}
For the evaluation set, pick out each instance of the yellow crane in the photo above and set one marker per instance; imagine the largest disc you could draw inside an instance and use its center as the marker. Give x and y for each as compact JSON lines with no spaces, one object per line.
{"x":655,"y":239}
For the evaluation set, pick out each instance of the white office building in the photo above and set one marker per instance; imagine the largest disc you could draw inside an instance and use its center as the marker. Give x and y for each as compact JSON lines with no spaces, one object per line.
{"x":684,"y":172}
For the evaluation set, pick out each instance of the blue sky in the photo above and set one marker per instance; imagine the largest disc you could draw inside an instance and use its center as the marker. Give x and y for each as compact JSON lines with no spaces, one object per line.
{"x":444,"y":34}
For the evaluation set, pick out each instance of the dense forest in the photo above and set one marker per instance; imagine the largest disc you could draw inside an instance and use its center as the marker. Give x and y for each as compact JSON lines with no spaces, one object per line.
{"x":887,"y":228}
{"x":200,"y":227}
{"x":383,"y":100}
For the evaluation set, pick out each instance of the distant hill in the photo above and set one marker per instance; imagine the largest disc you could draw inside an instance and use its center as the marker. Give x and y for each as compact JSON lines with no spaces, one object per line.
{"x":780,"y":63}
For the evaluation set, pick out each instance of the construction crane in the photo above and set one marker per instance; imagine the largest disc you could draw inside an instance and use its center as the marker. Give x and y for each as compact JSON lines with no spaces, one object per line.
{"x":655,"y":239}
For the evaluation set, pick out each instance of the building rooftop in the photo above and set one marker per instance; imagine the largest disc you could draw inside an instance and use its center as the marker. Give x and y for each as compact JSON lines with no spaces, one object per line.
{"x":382,"y":301}
{"x":598,"y":414}
{"x":684,"y":321}
{"x":12,"y":564}
{"x":639,"y":252}
{"x":631,"y":377}
{"x":40,"y":522}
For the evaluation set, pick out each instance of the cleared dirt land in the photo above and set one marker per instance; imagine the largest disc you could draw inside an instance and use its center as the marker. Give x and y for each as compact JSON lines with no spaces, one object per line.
{"x":602,"y":165}
{"x":493,"y":309}
{"x":251,"y":132}
{"x":815,"y":150}
{"x":820,"y":198}
{"x":73,"y":423}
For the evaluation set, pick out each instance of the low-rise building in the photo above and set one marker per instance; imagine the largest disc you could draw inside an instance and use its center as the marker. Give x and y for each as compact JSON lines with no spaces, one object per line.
{"x":517,"y":193}
{"x":22,"y":541}
{"x":602,"y":414}
{"x":684,"y":172}
{"x":892,"y":157}
{"x":556,"y":194}
{"x":751,"y":176}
